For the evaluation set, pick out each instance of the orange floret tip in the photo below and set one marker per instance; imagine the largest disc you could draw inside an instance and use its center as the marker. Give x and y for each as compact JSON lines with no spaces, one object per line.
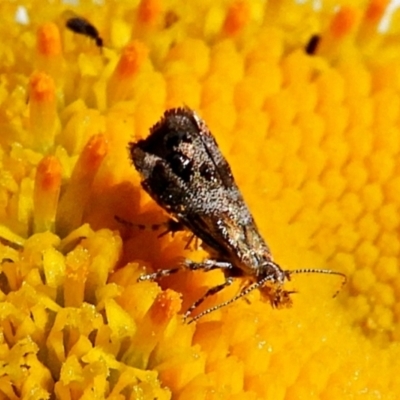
{"x":41,"y":88}
{"x":153,"y":326}
{"x":48,"y":174}
{"x":375,"y":10}
{"x":91,"y":157}
{"x":344,"y":22}
{"x":237,"y":16}
{"x":75,"y":198}
{"x":132,"y":59}
{"x":49,"y":56}
{"x":367,"y":39}
{"x":48,"y":40}
{"x":149,"y":11}
{"x":47,"y":190}
{"x":166,"y":305}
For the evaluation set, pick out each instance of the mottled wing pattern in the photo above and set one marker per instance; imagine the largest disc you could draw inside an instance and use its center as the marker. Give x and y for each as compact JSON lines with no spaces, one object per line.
{"x":186,"y":174}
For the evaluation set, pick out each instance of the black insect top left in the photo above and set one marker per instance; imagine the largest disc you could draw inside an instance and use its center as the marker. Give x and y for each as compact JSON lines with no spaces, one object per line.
{"x":82,"y":26}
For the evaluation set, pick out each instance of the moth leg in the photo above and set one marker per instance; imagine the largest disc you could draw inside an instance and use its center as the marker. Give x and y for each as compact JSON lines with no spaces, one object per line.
{"x":170,"y":226}
{"x":159,"y":274}
{"x":210,"y":292}
{"x":192,"y":238}
{"x":206,"y":265}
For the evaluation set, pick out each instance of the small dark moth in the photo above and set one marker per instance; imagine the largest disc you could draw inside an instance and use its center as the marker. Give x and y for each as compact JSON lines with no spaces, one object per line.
{"x":82,"y":26}
{"x":184,"y":171}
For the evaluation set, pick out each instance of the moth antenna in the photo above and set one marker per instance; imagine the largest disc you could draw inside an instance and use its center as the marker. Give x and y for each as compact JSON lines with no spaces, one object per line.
{"x":319,"y":271}
{"x":242,"y":293}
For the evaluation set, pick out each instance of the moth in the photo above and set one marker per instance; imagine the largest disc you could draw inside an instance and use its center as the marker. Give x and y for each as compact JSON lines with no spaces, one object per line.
{"x":184,"y":171}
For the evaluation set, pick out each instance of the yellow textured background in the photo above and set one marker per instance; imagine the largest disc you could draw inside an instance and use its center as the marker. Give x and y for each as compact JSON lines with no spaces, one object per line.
{"x":313,"y":142}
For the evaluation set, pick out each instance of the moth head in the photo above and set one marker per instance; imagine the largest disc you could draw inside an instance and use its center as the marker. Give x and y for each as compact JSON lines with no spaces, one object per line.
{"x":271,"y":279}
{"x":272,"y":273}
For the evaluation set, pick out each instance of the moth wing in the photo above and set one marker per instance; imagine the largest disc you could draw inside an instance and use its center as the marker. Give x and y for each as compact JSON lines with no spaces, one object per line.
{"x":222,"y":167}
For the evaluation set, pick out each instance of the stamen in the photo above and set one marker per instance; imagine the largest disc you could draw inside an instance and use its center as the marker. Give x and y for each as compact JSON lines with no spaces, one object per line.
{"x":49,"y":57}
{"x":46,"y":193}
{"x":132,"y":60}
{"x":42,"y":111}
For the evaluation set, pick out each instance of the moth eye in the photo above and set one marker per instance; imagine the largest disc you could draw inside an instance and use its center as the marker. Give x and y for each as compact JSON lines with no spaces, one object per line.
{"x":206,"y":172}
{"x":174,"y":138}
{"x":181,"y":165}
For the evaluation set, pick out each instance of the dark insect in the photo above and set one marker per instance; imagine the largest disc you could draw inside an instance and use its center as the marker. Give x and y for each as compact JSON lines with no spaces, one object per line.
{"x":312,"y":44}
{"x":184,"y":171}
{"x":82,"y":26}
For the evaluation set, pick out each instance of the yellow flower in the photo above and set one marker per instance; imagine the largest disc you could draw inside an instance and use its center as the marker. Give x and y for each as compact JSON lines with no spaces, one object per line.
{"x":311,"y":131}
